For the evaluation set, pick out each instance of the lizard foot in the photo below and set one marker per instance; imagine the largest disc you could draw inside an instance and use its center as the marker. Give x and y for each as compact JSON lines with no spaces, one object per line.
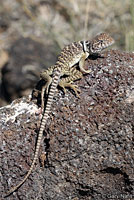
{"x":73,"y":87}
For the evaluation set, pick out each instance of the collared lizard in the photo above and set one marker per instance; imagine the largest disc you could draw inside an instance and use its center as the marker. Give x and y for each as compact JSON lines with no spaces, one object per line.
{"x":72,"y":54}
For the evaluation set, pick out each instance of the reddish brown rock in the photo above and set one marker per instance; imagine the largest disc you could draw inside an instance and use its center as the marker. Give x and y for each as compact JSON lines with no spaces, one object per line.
{"x":90,"y":142}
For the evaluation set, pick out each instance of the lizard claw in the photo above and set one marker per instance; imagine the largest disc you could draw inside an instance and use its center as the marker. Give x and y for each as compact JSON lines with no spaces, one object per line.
{"x":75,"y":89}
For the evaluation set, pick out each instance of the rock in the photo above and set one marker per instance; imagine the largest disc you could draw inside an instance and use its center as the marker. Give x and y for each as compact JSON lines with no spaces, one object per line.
{"x":89,"y":144}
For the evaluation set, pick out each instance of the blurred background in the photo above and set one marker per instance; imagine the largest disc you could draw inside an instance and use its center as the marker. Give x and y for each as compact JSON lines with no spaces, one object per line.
{"x":33,"y":32}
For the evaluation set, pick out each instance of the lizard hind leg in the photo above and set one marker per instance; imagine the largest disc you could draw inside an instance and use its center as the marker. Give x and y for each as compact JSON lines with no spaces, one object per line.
{"x":63,"y":85}
{"x":67,"y":82}
{"x":45,"y":88}
{"x":73,"y":75}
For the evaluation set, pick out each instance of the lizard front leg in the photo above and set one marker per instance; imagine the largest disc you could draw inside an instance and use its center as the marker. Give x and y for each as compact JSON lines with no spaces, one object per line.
{"x":82,"y":63}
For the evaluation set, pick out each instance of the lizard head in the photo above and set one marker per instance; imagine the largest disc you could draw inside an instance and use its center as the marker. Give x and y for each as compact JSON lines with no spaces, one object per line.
{"x":99,"y":43}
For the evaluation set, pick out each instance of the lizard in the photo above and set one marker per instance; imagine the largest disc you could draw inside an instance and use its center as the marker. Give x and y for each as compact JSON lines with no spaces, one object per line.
{"x":76,"y":52}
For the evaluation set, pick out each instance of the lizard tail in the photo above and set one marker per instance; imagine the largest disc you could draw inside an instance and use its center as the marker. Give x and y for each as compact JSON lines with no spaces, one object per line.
{"x":43,"y":122}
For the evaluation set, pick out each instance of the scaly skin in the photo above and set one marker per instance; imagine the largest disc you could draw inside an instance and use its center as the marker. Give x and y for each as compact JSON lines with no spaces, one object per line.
{"x":72,"y":54}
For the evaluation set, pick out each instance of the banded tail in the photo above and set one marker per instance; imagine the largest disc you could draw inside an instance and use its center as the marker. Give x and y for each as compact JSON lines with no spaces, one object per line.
{"x":53,"y":87}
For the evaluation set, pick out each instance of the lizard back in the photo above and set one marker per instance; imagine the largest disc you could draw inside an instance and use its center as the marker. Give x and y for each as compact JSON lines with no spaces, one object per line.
{"x":71,"y":54}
